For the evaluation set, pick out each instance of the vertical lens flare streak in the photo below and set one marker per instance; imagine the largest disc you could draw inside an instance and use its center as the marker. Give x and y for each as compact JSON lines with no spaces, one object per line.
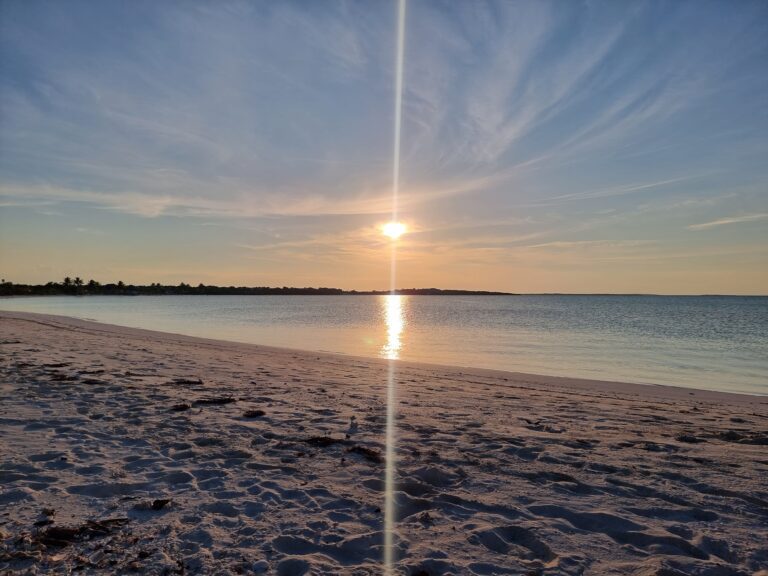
{"x":398,"y":105}
{"x":389,"y":455}
{"x":389,"y":474}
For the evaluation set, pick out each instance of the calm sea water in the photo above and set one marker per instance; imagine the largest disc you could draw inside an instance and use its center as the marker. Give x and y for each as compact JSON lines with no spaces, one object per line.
{"x":717,"y":343}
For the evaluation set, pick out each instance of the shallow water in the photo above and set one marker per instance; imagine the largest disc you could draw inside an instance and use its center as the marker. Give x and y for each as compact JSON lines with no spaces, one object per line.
{"x":708,"y":342}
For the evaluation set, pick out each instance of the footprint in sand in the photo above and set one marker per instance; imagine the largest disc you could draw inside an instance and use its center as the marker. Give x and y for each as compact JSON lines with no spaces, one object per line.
{"x":513,"y":540}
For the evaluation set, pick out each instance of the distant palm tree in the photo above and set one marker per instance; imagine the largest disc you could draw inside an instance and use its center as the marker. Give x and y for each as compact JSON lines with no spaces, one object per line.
{"x":67,"y":281}
{"x":78,"y":281}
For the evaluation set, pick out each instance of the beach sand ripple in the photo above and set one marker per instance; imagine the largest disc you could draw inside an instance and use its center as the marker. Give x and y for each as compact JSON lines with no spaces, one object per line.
{"x":126,"y":450}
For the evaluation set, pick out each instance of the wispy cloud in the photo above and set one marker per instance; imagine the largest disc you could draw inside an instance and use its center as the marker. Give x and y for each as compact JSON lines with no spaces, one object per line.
{"x":617,"y":190}
{"x":702,"y":255}
{"x":243,"y":203}
{"x":578,"y":244}
{"x":12,"y":202}
{"x":730,"y":220}
{"x":91,"y":231}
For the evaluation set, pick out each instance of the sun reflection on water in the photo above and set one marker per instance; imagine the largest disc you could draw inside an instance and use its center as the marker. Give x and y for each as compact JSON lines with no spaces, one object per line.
{"x":394,"y":317}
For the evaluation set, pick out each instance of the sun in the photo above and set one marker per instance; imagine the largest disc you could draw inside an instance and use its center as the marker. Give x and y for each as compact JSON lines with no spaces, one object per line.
{"x":393,"y":229}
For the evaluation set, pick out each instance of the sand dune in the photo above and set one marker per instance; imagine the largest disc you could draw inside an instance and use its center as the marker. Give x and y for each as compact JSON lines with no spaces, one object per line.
{"x":128,"y":450}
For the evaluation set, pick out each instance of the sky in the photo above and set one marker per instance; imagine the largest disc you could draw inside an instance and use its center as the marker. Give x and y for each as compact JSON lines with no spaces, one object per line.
{"x":546,"y":146}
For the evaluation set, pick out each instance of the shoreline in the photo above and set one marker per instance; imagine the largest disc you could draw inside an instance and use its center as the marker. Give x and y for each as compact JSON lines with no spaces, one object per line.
{"x":127,"y":450}
{"x":583,"y":384}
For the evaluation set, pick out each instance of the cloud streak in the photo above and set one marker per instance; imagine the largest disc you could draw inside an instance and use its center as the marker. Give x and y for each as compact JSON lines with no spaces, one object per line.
{"x":233,"y":204}
{"x":730,"y":220}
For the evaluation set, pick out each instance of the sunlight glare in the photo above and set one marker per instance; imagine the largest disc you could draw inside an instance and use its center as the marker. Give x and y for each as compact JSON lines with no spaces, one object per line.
{"x":393,"y":229}
{"x":395,"y":321}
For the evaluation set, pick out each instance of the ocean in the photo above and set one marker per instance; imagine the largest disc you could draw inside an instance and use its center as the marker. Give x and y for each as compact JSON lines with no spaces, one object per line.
{"x":706,"y":342}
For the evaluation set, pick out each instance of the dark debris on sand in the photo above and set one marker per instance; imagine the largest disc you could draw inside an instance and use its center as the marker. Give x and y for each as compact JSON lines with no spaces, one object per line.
{"x":324,"y":441}
{"x":154,"y":505}
{"x":370,"y":454}
{"x":689,"y":438}
{"x":94,"y":547}
{"x":195,"y":381}
{"x":216,"y":401}
{"x":60,"y":536}
{"x":745,"y":437}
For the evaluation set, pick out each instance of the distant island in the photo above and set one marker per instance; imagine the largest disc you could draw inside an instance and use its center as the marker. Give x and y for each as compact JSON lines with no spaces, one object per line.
{"x":78,"y":287}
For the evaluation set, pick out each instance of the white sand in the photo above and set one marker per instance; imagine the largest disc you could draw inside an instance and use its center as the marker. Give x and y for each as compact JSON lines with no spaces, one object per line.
{"x":498,"y":473}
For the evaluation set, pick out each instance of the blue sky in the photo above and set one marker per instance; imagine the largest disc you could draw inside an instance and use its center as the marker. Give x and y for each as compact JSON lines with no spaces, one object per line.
{"x":564,"y":146}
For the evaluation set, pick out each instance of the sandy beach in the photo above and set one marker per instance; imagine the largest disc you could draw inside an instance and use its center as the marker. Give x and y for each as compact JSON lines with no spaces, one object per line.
{"x":128,"y":450}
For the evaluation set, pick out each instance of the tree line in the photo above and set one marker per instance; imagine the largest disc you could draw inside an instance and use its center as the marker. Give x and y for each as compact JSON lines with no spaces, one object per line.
{"x":78,"y":287}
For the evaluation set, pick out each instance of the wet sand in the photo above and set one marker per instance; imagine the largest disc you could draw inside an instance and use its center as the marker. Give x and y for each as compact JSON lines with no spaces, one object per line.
{"x":130,"y":450}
